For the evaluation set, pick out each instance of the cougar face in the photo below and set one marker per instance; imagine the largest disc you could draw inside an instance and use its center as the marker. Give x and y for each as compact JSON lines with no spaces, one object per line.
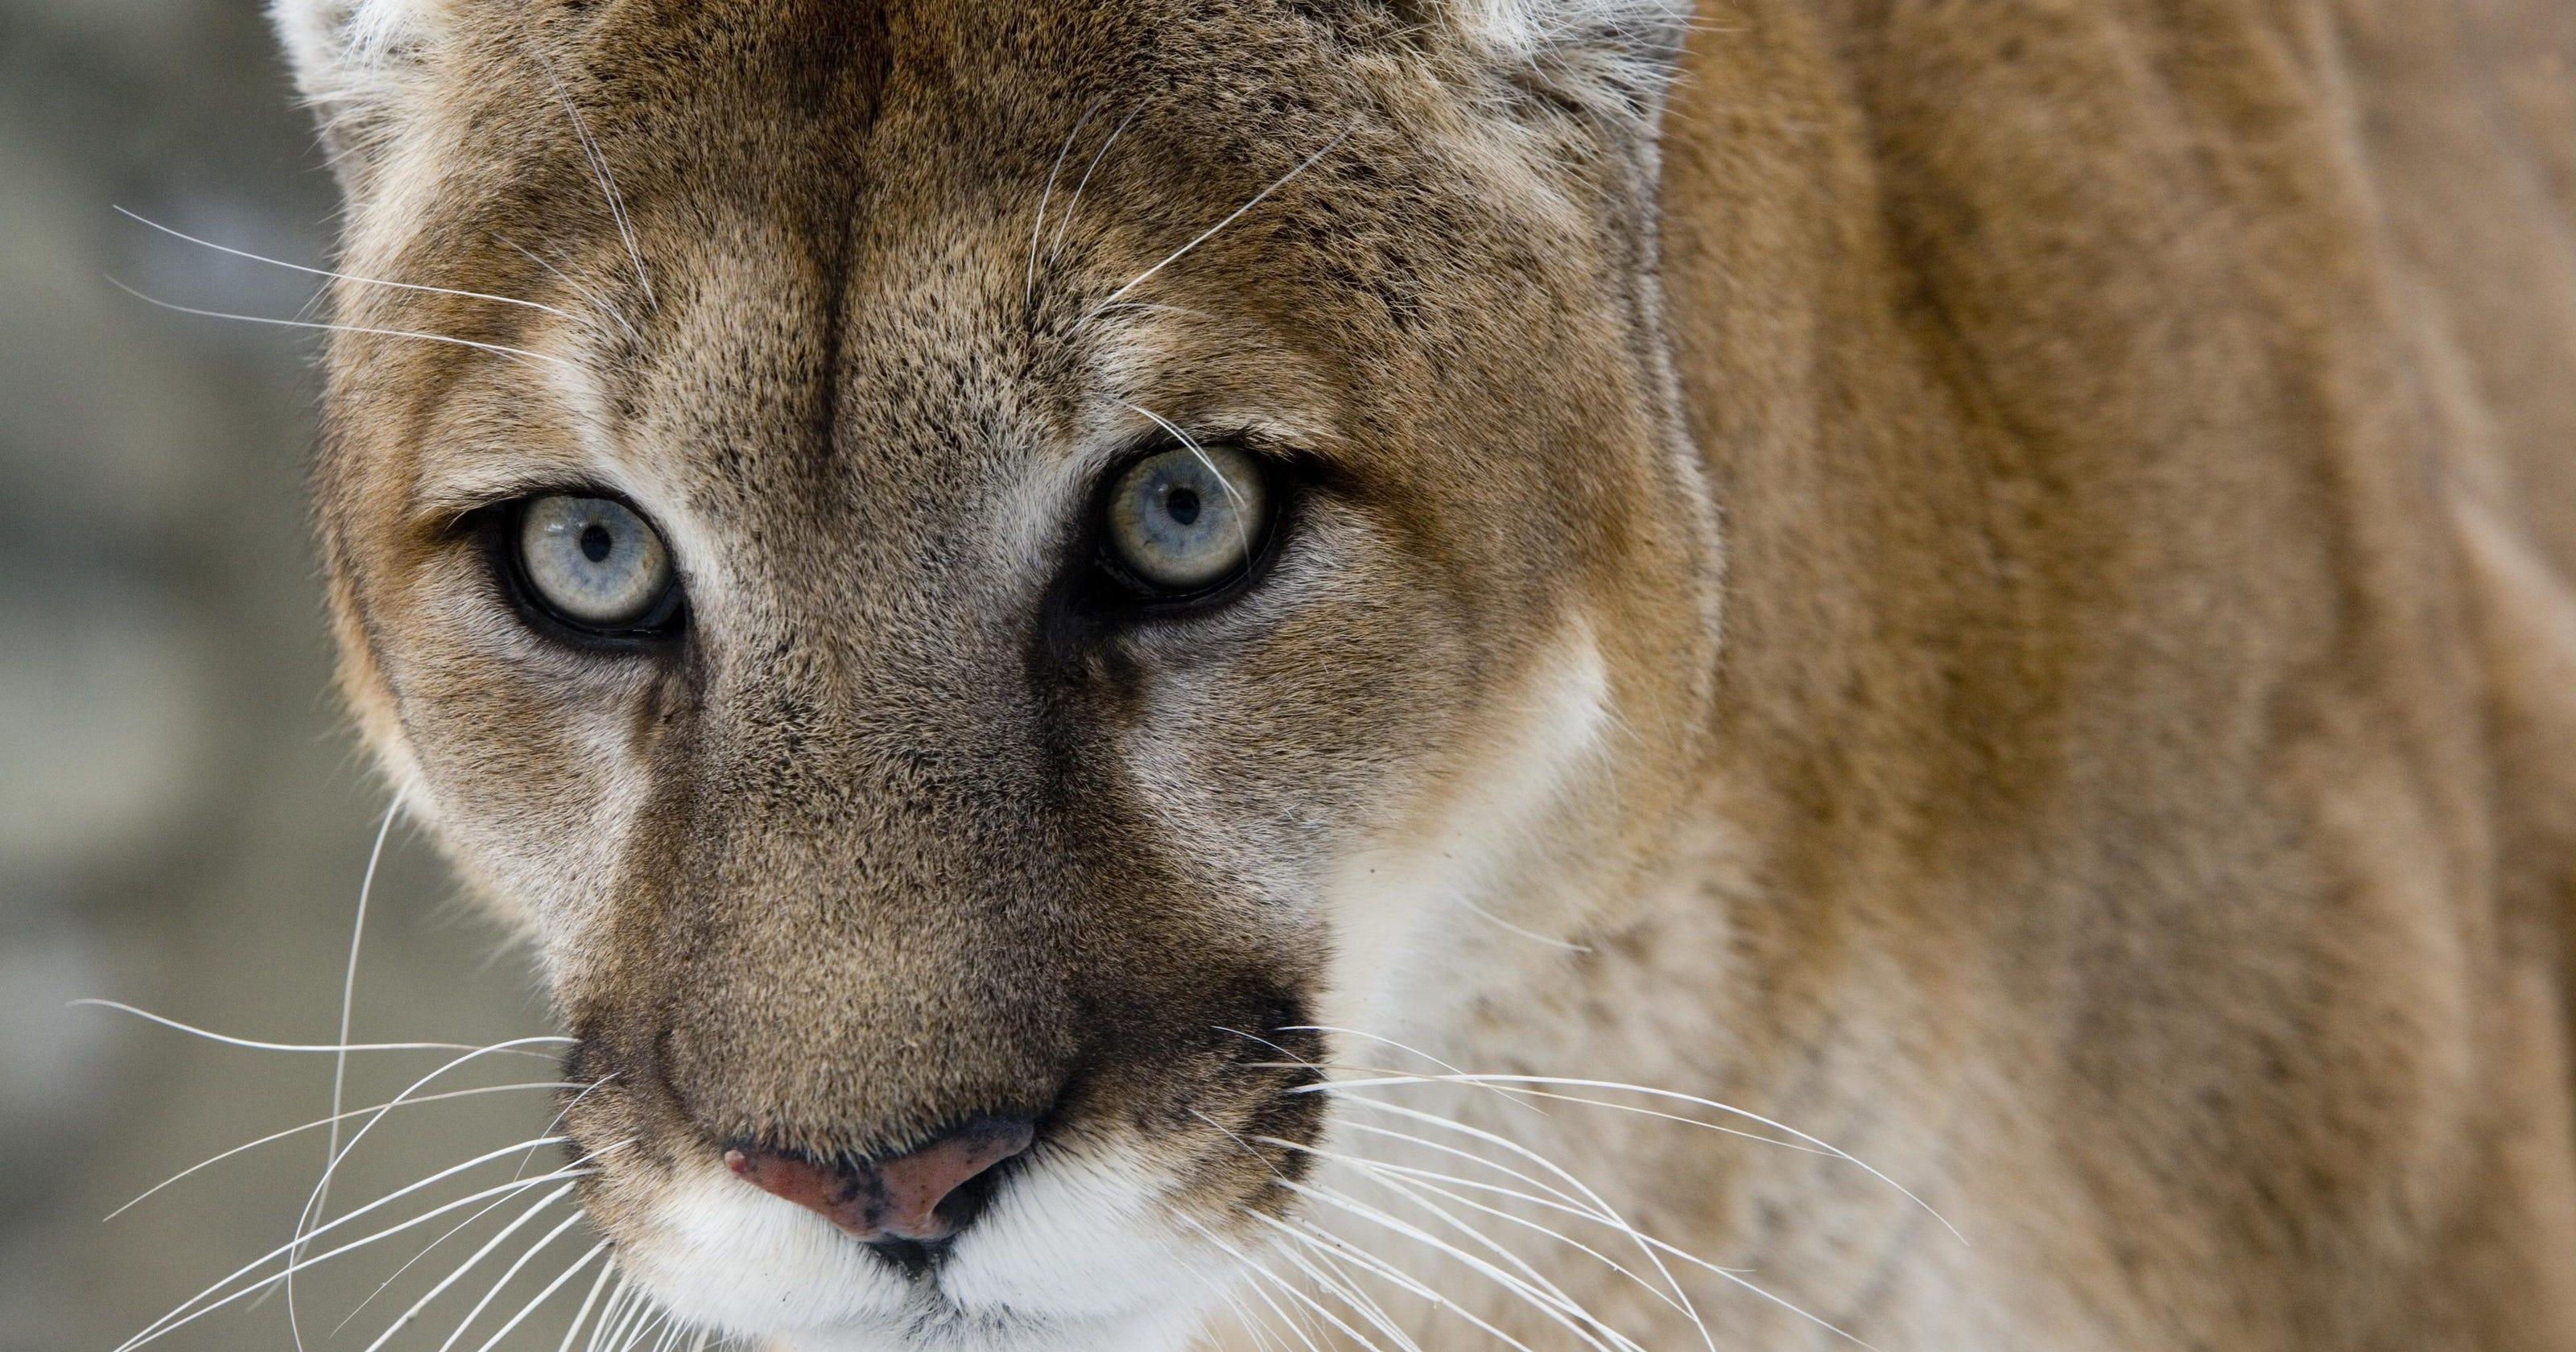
{"x":970,"y":575}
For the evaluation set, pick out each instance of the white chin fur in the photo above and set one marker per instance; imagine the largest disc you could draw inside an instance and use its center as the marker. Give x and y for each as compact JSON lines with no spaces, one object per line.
{"x":1070,"y":1257}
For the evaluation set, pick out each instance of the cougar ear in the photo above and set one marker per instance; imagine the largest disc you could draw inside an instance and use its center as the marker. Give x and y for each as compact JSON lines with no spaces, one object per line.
{"x":355,"y":62}
{"x":1612,"y":57}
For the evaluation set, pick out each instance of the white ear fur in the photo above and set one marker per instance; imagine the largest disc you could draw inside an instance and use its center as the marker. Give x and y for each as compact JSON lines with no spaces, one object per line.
{"x":350,"y":54}
{"x":1622,"y":51}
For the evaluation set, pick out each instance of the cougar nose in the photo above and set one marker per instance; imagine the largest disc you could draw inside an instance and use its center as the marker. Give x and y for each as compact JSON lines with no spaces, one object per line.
{"x":925,"y":1195}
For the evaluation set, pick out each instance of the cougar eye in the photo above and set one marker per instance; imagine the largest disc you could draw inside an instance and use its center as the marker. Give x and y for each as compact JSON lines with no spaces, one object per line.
{"x":1186,"y":519}
{"x":594,"y":564}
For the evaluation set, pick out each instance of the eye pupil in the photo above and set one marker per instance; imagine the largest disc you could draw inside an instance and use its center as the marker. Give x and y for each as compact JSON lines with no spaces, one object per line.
{"x":596,"y":543}
{"x":1182,"y":505}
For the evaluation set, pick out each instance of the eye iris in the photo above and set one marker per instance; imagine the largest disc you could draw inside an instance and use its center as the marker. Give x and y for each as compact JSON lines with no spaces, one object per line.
{"x":1188,"y":518}
{"x":594,"y":564}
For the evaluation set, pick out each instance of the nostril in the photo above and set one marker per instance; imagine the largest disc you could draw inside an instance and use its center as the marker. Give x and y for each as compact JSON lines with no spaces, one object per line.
{"x":924,"y":1195}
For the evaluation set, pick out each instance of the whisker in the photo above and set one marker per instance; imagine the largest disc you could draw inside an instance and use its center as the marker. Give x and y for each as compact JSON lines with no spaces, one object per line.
{"x":539,"y":1299}
{"x":1379,"y":1172}
{"x":1323,"y":1068}
{"x":320,"y":1121}
{"x":1210,"y":233}
{"x":598,"y":300}
{"x":497,"y":349}
{"x":257,"y":1046}
{"x":1029,"y":290}
{"x":607,"y":1271}
{"x":387,"y":1200}
{"x":1055,"y":246}
{"x":1341,"y":1285}
{"x":140,"y":219}
{"x":631,"y":1308}
{"x":1567,"y":945}
{"x":1606,"y":1340}
{"x":340,"y":1063}
{"x":558,"y":1121}
{"x":599,"y":170}
{"x":1295,"y":1324}
{"x":321,"y":1188}
{"x":1286,"y":1286}
{"x":172,"y":1322}
{"x":472,"y":1261}
{"x":1512,"y":1092}
{"x":1672,"y":1095}
{"x":417,"y":1259}
{"x":503,"y":1281}
{"x":1382,"y":1267}
{"x":1597,"y":1201}
{"x":1735,"y":1275}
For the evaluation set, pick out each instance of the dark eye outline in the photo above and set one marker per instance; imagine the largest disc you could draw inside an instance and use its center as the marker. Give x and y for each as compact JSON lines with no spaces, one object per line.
{"x":501,"y":524}
{"x":1121,"y":590}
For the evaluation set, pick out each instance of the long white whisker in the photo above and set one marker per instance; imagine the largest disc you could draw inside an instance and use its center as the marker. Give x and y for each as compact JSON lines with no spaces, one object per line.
{"x":433,"y":1245}
{"x":472,"y":1261}
{"x":1725,"y":1273}
{"x":1289,"y":1287}
{"x":1594,"y":1198}
{"x":627,"y":1304}
{"x":497,"y":349}
{"x":417,"y":1259}
{"x":1210,"y":233}
{"x":258,"y":1046}
{"x":173,"y":1321}
{"x":141,"y":219}
{"x":1339,"y":1283}
{"x":1382,"y":1267}
{"x":599,"y":170}
{"x":1606,"y":1340}
{"x":558,"y":1121}
{"x":1673,"y":1095}
{"x":596,"y":299}
{"x":539,"y":1299}
{"x":339,"y":1064}
{"x":1295,"y":1325}
{"x":505,"y":1278}
{"x":386,"y":1200}
{"x":1514,"y":1092}
{"x":321,"y":1121}
{"x":1398,"y":1179}
{"x":607,"y":1271}
{"x":1296,"y":1062}
{"x":321,"y":1188}
{"x":1055,"y":246}
{"x":1029,"y":289}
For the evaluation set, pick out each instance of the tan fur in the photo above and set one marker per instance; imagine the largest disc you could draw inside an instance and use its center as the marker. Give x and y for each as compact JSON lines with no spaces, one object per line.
{"x":1988,"y":583}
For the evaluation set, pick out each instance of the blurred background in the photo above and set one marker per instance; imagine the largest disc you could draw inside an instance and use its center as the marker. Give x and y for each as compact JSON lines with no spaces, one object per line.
{"x":184,"y":821}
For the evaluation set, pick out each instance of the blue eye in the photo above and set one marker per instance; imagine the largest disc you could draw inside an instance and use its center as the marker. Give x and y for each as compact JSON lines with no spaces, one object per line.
{"x":596,"y":565}
{"x":1186,"y":519}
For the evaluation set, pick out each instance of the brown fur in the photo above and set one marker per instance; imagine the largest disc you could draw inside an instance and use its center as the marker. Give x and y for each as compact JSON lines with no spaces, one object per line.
{"x":2130,"y":803}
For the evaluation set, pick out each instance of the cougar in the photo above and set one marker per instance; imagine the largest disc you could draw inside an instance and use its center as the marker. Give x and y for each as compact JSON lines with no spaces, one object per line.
{"x":1473,"y":674}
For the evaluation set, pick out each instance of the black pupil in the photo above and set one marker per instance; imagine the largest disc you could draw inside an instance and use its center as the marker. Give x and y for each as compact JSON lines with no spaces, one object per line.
{"x":1182,"y":505}
{"x":596,"y":542}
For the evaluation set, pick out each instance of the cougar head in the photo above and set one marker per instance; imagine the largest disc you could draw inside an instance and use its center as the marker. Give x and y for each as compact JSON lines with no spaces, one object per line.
{"x":971,"y":574}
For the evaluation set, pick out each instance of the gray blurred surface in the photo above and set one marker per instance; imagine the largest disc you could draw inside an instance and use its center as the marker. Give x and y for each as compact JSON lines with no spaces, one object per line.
{"x":183,"y":820}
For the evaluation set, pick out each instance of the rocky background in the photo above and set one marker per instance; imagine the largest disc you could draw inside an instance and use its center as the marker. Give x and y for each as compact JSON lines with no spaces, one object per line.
{"x":183,"y":819}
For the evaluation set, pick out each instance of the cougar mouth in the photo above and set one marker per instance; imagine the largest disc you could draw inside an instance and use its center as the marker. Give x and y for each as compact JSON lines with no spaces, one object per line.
{"x":1090,"y":1223}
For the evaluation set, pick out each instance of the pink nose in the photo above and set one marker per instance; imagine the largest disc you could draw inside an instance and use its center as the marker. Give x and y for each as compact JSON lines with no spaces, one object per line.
{"x":922,"y":1196}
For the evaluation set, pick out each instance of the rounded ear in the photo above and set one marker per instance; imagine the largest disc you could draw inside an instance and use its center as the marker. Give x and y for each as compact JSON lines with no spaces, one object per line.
{"x":355,"y":61}
{"x":1613,"y":57}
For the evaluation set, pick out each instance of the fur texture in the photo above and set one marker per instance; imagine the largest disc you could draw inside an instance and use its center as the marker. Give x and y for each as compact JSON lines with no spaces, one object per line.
{"x":2110,"y":773}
